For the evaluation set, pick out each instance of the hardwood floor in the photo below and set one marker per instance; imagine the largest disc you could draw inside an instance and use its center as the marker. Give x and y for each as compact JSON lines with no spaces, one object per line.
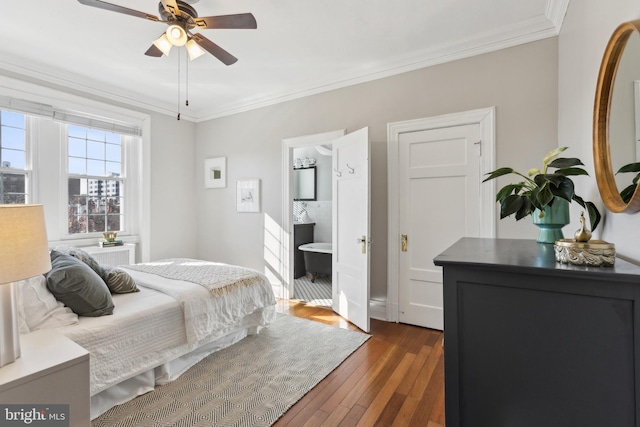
{"x":395,"y":379}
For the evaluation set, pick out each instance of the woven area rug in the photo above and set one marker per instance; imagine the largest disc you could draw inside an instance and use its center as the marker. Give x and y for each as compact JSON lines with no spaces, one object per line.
{"x":251,"y":383}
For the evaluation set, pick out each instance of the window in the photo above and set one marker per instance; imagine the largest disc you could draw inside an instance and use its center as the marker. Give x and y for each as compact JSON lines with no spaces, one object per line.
{"x":96,"y":181}
{"x":14,"y":174}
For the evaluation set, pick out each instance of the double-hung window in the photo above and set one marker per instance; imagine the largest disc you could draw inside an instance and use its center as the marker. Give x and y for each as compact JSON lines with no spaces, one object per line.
{"x":14,"y":165}
{"x":96,"y":180}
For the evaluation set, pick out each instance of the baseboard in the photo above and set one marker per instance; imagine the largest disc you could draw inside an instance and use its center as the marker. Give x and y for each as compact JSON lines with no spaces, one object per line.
{"x":378,"y":310}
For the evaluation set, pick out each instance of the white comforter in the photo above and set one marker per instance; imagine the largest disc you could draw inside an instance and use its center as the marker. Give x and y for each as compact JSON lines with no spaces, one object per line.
{"x":154,"y":326}
{"x":203,"y":312}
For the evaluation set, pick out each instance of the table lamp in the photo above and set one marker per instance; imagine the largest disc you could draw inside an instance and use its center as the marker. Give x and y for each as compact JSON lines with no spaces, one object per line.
{"x":24,"y":253}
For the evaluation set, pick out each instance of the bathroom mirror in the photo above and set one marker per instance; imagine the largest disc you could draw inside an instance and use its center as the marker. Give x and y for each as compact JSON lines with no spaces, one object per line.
{"x":616,"y":123}
{"x":304,"y":184}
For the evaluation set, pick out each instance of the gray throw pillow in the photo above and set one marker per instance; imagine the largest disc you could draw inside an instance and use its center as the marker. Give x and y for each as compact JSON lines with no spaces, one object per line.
{"x":78,"y":287}
{"x":118,"y":280}
{"x":89,"y":260}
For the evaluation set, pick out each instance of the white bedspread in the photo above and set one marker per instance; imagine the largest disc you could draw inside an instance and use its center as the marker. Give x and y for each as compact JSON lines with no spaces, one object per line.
{"x":154,"y":326}
{"x":204,"y":312}
{"x":136,"y":337}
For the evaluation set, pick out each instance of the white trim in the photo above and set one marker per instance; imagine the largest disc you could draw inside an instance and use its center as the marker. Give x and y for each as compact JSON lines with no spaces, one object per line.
{"x":378,"y":310}
{"x":538,"y":28}
{"x":485,"y":117}
{"x":288,"y":144}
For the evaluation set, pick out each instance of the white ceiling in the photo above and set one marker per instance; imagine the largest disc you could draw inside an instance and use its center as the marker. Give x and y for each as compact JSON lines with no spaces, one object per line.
{"x":301,"y":47}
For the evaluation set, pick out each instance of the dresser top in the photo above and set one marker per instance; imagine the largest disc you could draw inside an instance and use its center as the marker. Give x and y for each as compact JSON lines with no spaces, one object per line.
{"x":510,"y":254}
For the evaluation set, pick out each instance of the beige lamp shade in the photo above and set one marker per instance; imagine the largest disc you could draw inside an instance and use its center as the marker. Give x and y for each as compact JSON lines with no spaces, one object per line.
{"x":24,"y":250}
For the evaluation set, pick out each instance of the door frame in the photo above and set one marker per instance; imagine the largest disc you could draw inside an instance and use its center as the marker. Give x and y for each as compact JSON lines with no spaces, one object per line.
{"x":288,"y":144}
{"x":485,"y":117}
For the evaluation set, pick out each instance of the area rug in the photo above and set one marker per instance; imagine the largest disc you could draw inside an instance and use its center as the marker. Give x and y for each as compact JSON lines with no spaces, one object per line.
{"x":251,"y":383}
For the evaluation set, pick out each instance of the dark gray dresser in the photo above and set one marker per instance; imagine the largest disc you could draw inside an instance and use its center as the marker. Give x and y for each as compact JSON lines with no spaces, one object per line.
{"x":530,"y":342}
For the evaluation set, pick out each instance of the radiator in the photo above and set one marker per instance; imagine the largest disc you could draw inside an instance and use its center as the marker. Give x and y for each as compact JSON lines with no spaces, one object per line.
{"x":116,"y":255}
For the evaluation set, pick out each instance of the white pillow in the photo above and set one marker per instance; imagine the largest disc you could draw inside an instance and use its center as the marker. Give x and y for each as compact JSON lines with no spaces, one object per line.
{"x":40,"y":308}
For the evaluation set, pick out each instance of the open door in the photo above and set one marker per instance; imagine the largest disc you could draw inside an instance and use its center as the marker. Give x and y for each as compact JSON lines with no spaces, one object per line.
{"x":351,"y":228}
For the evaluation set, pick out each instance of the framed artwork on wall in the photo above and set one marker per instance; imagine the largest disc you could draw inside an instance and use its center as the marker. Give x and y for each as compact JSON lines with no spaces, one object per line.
{"x":248,"y":195}
{"x":215,"y":172}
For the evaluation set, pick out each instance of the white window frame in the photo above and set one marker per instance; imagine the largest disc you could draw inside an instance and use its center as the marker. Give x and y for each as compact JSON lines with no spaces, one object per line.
{"x":125,"y":140}
{"x":28,"y":160}
{"x":129,"y":157}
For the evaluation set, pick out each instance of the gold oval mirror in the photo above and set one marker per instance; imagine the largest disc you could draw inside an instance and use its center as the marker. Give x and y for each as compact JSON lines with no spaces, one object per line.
{"x":616,"y":120}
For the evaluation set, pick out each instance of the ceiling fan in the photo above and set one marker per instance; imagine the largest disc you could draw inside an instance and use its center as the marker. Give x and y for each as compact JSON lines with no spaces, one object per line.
{"x":181,"y":19}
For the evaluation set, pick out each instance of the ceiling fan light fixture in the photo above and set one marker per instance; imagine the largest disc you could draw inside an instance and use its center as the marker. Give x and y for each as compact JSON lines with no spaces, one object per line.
{"x":163,"y":44}
{"x":176,"y":35}
{"x":194,"y":50}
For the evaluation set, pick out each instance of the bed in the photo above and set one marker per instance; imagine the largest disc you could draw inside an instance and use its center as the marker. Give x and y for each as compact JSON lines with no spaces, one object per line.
{"x":165,"y":326}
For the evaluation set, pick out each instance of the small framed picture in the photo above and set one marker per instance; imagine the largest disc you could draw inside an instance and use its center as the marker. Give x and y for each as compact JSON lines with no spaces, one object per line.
{"x":215,"y":172}
{"x":248,"y":195}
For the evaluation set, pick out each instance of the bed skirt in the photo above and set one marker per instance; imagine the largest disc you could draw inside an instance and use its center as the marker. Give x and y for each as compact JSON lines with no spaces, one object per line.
{"x":163,"y":374}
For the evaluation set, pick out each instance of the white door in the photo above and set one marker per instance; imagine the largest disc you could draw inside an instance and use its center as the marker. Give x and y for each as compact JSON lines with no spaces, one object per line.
{"x":439,"y":202}
{"x":350,"y":275}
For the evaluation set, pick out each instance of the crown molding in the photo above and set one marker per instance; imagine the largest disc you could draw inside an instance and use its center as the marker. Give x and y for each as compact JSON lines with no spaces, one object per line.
{"x":537,"y":28}
{"x":81,"y":85}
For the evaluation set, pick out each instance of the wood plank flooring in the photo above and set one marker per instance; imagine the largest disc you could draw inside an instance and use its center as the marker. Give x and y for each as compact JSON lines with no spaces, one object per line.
{"x":395,"y":379}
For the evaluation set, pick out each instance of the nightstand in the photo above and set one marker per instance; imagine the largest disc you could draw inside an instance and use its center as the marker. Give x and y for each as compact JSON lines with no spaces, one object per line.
{"x":52,"y":370}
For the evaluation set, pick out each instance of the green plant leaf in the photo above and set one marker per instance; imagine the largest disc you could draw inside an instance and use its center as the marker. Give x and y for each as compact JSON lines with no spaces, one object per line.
{"x":525,"y":210}
{"x":553,"y":153}
{"x":572,"y":171}
{"x":565,"y":163}
{"x":553,"y":178}
{"x":631,"y":167}
{"x":507,"y":190}
{"x":628,"y":192}
{"x":510,"y":205}
{"x":594,"y":215}
{"x":545,"y":195}
{"x":564,"y":190}
{"x":498,"y":172}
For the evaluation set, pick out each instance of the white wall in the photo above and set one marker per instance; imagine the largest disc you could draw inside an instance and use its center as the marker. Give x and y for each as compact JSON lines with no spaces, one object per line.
{"x":585,"y":33}
{"x":521,"y":82}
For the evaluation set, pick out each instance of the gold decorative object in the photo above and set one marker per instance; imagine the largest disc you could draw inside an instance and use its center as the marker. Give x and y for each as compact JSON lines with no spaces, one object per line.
{"x":583,"y":234}
{"x":582,"y":251}
{"x":110,"y":236}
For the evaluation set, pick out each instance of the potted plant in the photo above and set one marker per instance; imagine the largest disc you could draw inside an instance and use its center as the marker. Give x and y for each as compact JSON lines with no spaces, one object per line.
{"x":545,"y":195}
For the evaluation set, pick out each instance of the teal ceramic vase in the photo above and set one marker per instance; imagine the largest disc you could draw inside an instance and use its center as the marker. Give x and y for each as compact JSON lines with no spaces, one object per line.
{"x":556,"y":216}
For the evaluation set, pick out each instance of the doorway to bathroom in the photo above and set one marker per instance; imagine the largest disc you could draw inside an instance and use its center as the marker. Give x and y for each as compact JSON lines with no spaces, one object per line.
{"x":312,"y":223}
{"x":351,"y":221}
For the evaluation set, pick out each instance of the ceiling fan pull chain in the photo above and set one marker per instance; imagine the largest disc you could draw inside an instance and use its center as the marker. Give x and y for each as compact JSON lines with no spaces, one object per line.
{"x":178,"y":84}
{"x":186,"y":60}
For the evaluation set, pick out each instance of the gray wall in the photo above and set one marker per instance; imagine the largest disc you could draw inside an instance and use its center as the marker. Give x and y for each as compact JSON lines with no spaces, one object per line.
{"x":585,"y":33}
{"x":173,"y":180}
{"x":521,"y":82}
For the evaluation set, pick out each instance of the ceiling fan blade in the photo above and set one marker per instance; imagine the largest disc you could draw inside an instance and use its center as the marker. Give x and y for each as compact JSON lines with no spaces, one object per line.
{"x":171,"y":7}
{"x":153,"y":51}
{"x":115,"y":8}
{"x":225,"y":57}
{"x":240,"y":21}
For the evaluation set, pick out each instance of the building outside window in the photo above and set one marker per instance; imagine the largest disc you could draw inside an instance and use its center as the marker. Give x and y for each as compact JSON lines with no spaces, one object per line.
{"x":96,"y":181}
{"x":14,"y":172}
